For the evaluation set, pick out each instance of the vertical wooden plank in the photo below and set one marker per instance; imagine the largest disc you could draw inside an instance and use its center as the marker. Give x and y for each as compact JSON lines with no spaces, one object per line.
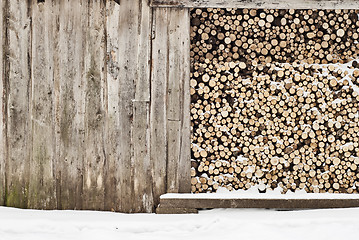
{"x":70,"y":105}
{"x":178,"y":154}
{"x":173,"y":154}
{"x":158,"y":112}
{"x":3,"y":109}
{"x":112,"y":164}
{"x":128,"y":164}
{"x":128,"y":34}
{"x":42,"y":192}
{"x":53,"y":36}
{"x":18,"y":105}
{"x":95,"y":81}
{"x":142,"y":176}
{"x":121,"y":84}
{"x":184,"y":166}
{"x":143,"y":197}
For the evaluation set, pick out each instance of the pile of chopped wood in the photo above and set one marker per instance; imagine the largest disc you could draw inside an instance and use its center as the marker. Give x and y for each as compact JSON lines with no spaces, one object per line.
{"x":275,"y":100}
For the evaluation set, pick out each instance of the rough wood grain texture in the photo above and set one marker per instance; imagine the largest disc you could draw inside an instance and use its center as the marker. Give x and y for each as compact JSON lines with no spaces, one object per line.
{"x":127,"y":68}
{"x":178,"y":155}
{"x":128,"y":73}
{"x":123,"y":53}
{"x":164,"y":210}
{"x":173,"y":155}
{"x":112,"y":175}
{"x":95,"y":82}
{"x":18,"y":104}
{"x":70,"y":109}
{"x":259,"y":203}
{"x":2,"y":106}
{"x":277,"y":4}
{"x":143,"y":197}
{"x":53,"y":19}
{"x":42,"y":193}
{"x":158,"y":118}
{"x":184,"y":161}
{"x":83,"y":124}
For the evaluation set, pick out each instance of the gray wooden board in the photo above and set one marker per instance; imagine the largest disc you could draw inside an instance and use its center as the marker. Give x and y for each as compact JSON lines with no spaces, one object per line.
{"x":127,"y":45}
{"x":174,"y":93}
{"x":178,"y":130}
{"x":184,"y":161}
{"x":70,"y":108}
{"x":142,"y":195}
{"x":112,"y":189}
{"x":53,"y":33}
{"x":142,"y":175}
{"x":173,"y":155}
{"x":164,"y":210}
{"x":258,"y":203}
{"x":42,"y":193}
{"x":95,"y":84}
{"x":141,"y":45}
{"x":158,"y":113}
{"x":269,"y":4}
{"x":128,"y":81}
{"x":2,"y":106}
{"x":18,"y":102}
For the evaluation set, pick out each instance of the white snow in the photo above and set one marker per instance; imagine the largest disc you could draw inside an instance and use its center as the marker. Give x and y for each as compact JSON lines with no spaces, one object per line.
{"x":254,"y":224}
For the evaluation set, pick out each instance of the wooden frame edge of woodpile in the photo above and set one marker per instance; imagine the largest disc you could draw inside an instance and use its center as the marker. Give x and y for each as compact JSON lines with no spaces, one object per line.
{"x":175,"y":210}
{"x":183,"y":205}
{"x":259,"y":4}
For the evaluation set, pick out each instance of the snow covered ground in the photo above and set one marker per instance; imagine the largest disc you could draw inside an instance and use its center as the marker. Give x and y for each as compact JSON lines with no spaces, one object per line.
{"x":208,"y":224}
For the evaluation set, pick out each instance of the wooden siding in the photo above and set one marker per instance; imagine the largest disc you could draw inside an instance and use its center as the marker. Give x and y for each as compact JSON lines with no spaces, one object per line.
{"x":95,"y":104}
{"x":269,"y":4}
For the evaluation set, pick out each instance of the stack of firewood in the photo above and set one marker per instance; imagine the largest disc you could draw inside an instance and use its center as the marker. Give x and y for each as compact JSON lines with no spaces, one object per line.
{"x":275,"y":100}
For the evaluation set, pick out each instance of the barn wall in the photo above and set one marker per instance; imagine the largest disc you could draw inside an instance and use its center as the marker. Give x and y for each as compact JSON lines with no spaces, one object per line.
{"x":94,"y":110}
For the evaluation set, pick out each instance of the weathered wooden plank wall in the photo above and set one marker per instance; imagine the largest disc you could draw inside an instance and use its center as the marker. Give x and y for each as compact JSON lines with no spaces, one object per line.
{"x":269,"y":4}
{"x":95,"y":104}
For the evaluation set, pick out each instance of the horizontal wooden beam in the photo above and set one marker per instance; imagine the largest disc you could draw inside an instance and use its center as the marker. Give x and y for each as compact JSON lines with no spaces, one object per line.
{"x":264,"y":4}
{"x":181,"y":201}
